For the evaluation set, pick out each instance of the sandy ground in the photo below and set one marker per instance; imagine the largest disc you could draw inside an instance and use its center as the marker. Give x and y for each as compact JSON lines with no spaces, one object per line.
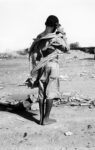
{"x":74,"y":128}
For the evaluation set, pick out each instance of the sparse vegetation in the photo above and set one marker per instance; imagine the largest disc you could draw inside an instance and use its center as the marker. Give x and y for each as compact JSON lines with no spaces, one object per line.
{"x":14,"y":54}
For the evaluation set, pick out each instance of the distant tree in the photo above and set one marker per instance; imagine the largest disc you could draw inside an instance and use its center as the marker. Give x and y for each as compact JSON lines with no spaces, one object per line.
{"x":74,"y":45}
{"x":23,"y":52}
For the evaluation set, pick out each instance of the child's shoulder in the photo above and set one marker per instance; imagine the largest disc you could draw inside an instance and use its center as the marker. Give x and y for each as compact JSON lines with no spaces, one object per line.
{"x":40,"y":35}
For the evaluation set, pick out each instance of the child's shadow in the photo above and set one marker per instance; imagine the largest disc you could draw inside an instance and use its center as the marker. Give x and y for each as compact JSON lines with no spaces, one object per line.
{"x":19,"y":110}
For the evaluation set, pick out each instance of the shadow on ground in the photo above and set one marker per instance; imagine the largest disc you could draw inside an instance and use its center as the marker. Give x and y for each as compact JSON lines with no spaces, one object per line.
{"x":19,"y":110}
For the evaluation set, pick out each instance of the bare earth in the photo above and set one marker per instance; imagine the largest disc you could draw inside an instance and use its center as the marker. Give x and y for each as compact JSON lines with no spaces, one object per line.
{"x":75,"y":125}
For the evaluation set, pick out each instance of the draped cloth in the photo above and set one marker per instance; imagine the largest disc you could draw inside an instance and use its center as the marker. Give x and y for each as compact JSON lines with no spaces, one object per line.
{"x":51,"y":42}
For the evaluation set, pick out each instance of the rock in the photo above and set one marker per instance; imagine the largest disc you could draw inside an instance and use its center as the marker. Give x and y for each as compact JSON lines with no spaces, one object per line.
{"x":27,"y":103}
{"x":35,"y":106}
{"x":25,"y":134}
{"x":68,"y":133}
{"x":89,"y":126}
{"x":74,"y":104}
{"x":64,"y":77}
{"x":92,"y":102}
{"x":90,"y":106}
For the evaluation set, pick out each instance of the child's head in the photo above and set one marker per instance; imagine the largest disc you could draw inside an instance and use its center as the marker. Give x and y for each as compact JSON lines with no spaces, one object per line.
{"x":52,"y":21}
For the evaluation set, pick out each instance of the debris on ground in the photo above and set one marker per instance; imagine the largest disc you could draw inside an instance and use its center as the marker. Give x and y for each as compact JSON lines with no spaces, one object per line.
{"x":31,"y":102}
{"x":75,"y":99}
{"x":89,"y":126}
{"x":35,"y":106}
{"x":64,"y":77}
{"x":14,"y":104}
{"x":25,"y":134}
{"x":68,"y":133}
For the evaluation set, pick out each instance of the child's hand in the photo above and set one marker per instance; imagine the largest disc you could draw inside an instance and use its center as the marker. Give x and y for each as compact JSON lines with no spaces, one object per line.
{"x":60,"y":29}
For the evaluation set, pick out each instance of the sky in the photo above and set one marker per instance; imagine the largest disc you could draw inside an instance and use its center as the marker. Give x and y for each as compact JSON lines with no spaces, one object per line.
{"x":22,"y":20}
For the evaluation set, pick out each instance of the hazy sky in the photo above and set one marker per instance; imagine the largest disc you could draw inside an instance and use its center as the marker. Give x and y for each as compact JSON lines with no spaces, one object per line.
{"x":22,"y":20}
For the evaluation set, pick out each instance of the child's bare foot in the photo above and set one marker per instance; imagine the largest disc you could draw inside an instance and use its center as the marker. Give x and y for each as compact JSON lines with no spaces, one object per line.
{"x":48,"y":121}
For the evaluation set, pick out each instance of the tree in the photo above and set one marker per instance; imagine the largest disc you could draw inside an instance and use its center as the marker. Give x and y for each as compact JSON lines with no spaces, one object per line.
{"x":74,"y":45}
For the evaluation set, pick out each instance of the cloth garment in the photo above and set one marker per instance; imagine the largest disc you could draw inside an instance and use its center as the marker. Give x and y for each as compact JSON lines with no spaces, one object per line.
{"x":45,"y":51}
{"x":44,"y":45}
{"x":48,"y":82}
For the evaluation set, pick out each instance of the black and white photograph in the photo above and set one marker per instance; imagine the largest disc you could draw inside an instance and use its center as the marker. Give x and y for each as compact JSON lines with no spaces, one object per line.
{"x":47,"y":75}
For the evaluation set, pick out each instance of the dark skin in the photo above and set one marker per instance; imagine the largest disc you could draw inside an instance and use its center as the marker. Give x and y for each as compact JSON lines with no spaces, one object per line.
{"x":45,"y":108}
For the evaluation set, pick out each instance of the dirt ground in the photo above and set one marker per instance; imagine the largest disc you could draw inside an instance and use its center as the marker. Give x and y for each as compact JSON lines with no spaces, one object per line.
{"x":74,"y":128}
